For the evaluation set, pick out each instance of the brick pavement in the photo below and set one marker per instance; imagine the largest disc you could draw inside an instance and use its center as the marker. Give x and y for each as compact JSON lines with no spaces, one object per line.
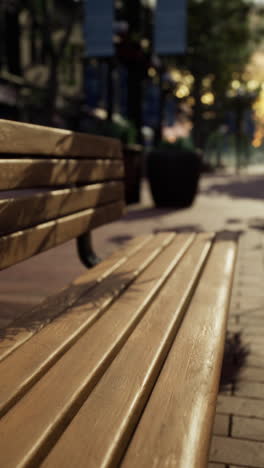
{"x":224,"y":202}
{"x":238,"y":439}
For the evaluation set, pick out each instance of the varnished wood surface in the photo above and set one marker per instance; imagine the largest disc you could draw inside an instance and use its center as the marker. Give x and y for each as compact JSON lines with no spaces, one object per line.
{"x":21,"y":369}
{"x":24,"y":244}
{"x":32,"y":173}
{"x":114,"y":406}
{"x":20,"y":138}
{"x":185,"y":395}
{"x":67,"y":384}
{"x":24,"y":327}
{"x":20,"y":213}
{"x":129,"y":374}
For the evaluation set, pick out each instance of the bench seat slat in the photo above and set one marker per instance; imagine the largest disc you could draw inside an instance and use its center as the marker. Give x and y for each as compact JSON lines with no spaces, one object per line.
{"x":23,"y":138}
{"x":32,"y":173}
{"x":52,"y":402}
{"x":24,"y":244}
{"x":113,"y":408}
{"x":24,"y":327}
{"x":180,"y":434}
{"x":41,"y":207}
{"x":21,"y":369}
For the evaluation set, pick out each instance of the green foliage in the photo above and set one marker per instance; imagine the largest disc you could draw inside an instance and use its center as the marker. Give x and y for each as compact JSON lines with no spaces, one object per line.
{"x":220,"y":39}
{"x":121,"y":129}
{"x":182,"y":144}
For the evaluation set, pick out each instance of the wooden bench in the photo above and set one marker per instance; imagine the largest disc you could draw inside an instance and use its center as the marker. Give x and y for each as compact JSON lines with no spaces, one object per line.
{"x":122,"y":367}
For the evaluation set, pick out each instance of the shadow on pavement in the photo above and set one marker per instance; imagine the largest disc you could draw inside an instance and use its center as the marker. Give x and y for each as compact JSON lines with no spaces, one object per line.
{"x":145,"y":213}
{"x":251,"y":187}
{"x":181,"y":229}
{"x":235,"y":356}
{"x":256,"y":223}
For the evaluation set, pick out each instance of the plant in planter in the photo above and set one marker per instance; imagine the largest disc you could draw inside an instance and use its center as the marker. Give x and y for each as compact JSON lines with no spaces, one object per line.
{"x":173,"y":171}
{"x":125,"y":131}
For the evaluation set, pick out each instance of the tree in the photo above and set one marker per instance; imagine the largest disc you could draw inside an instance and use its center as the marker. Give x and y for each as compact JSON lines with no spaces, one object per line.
{"x":220,"y":44}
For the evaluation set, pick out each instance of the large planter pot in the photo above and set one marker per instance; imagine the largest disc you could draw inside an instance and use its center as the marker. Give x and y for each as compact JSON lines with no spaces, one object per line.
{"x":133,"y":172}
{"x":173,"y":177}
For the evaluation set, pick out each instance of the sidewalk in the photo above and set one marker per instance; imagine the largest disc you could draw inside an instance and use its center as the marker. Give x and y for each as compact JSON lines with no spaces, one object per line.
{"x":239,"y":423}
{"x":224,"y":202}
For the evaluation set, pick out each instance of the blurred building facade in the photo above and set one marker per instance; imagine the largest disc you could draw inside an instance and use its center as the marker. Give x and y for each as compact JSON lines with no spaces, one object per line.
{"x":27,"y":56}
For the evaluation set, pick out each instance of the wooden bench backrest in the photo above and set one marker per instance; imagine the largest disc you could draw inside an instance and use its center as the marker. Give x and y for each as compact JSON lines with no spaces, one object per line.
{"x":55,"y":185}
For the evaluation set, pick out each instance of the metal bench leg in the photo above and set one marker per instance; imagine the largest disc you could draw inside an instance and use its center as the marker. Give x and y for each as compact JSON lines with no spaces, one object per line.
{"x":85,"y":251}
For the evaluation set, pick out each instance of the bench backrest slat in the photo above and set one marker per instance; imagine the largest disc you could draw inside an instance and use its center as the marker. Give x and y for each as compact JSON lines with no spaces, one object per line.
{"x":37,"y":208}
{"x":24,"y":244}
{"x":19,"y":138}
{"x":55,"y":185}
{"x":26,"y":173}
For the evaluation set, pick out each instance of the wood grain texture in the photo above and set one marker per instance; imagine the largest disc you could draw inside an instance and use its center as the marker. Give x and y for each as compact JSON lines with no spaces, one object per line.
{"x":27,"y":211}
{"x":99,"y":433}
{"x":25,"y":244}
{"x":49,"y":405}
{"x":184,"y":397}
{"x":24,"y":327}
{"x":23,"y":368}
{"x":20,"y":138}
{"x":32,"y":173}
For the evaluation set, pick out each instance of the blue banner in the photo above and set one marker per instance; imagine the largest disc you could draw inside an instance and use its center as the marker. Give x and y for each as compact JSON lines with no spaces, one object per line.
{"x":98,"y":28}
{"x":170,"y":27}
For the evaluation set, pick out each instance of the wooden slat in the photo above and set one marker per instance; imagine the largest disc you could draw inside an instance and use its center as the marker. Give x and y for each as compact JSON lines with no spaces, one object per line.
{"x":20,"y":138}
{"x":53,"y":401}
{"x":20,"y":213}
{"x":32,"y":173}
{"x":185,"y":395}
{"x":25,"y":244}
{"x":104,"y":423}
{"x":24,"y":367}
{"x":23,"y":327}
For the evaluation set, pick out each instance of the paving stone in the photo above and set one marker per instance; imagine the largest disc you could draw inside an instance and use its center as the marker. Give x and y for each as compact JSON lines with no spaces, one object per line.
{"x":255,"y":340}
{"x":248,"y":322}
{"x":221,"y":424}
{"x":254,"y":312}
{"x":238,"y":466}
{"x":226,"y":390}
{"x":254,"y":330}
{"x":254,"y":336}
{"x":255,"y":361}
{"x":252,"y":373}
{"x":216,"y":465}
{"x":247,"y":428}
{"x":250,"y":293}
{"x":249,"y":389}
{"x":256,"y":350}
{"x":240,"y":406}
{"x":232,"y":320}
{"x":250,"y":279}
{"x":249,"y":303}
{"x":237,"y":451}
